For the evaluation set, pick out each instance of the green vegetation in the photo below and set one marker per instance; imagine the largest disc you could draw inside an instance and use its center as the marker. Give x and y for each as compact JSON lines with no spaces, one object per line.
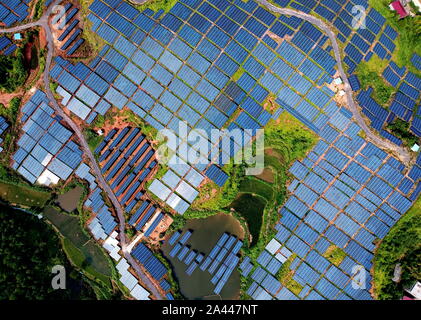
{"x":162,"y":169}
{"x":23,"y":195}
{"x":369,"y":74}
{"x":11,"y":112}
{"x":290,"y":135}
{"x":39,"y":9}
{"x":409,"y":30}
{"x":237,"y":75}
{"x":92,"y":138}
{"x":29,"y":249}
{"x":95,"y":41}
{"x":414,"y":8}
{"x":401,"y":245}
{"x":78,"y":259}
{"x":400,"y":128}
{"x":99,"y":121}
{"x":178,"y":223}
{"x":53,"y":88}
{"x":12,"y":69}
{"x":335,"y":255}
{"x":156,"y":5}
{"x":213,"y":199}
{"x":81,"y":250}
{"x":258,"y":187}
{"x":285,"y":140}
{"x":9,"y":137}
{"x":130,"y":231}
{"x":149,"y":131}
{"x":284,"y":275}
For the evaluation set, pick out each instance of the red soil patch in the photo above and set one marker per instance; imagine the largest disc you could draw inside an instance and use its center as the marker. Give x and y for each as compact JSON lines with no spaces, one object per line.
{"x":42,"y":40}
{"x":155,"y":237}
{"x":6,"y":97}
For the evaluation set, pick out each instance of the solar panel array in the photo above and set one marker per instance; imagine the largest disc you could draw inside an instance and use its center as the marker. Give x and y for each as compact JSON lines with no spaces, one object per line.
{"x":3,"y":127}
{"x":403,"y":105}
{"x":102,"y":227}
{"x":178,"y":186}
{"x":190,"y":61}
{"x":46,"y":146}
{"x":416,"y":61}
{"x":104,"y":219}
{"x":375,"y":36}
{"x":177,"y":67}
{"x":66,"y":20}
{"x":83,"y":172}
{"x":6,"y":46}
{"x":13,"y":11}
{"x":346,"y":193}
{"x":45,"y":152}
{"x":127,"y":160}
{"x":130,"y":281}
{"x":220,"y":262}
{"x":360,"y":44}
{"x":151,"y":263}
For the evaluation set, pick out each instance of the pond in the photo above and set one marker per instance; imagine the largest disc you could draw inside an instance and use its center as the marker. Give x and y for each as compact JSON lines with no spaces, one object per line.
{"x":250,"y":207}
{"x":206,"y":233}
{"x":68,"y":201}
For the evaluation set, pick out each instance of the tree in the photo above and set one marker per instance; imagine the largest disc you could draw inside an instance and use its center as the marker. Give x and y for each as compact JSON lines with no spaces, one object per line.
{"x":13,"y":72}
{"x":29,"y":249}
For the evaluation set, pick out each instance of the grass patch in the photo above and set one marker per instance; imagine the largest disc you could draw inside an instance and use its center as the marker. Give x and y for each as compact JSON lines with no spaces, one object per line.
{"x":257,"y":187}
{"x":12,"y":133}
{"x":291,"y":135}
{"x":284,"y":275}
{"x":267,"y":175}
{"x":23,"y":195}
{"x":92,"y":138}
{"x":335,"y":255}
{"x":369,"y":74}
{"x":213,"y":199}
{"x":149,"y":131}
{"x":294,"y":286}
{"x":237,"y":75}
{"x":401,"y":245}
{"x":39,"y":10}
{"x":156,"y":5}
{"x":95,"y":41}
{"x":285,"y":268}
